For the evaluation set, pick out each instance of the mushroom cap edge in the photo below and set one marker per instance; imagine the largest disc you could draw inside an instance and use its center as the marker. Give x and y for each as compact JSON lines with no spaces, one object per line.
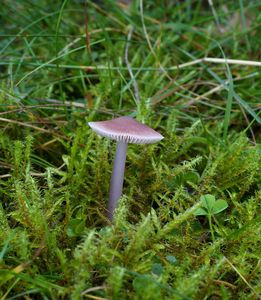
{"x":126,"y":129}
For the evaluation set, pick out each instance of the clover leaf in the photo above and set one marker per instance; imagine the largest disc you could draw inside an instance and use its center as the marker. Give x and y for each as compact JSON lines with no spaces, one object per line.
{"x":210,"y":206}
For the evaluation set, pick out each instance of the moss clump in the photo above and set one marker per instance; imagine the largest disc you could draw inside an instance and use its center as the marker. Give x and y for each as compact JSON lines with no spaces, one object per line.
{"x":55,"y":241}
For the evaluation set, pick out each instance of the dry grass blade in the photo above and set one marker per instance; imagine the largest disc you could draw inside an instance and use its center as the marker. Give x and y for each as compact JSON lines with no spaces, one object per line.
{"x":33,"y":127}
{"x":135,"y":85}
{"x":243,"y":278}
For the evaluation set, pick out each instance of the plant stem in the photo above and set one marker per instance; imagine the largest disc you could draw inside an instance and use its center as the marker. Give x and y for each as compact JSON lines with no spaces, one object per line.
{"x":117,"y":178}
{"x":211,"y":228}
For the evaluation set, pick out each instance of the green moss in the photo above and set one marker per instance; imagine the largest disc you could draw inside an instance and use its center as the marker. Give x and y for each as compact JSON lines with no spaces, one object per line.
{"x":55,"y":240}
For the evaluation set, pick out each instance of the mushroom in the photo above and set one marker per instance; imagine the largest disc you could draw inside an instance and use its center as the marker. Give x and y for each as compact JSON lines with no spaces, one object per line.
{"x":124,"y":130}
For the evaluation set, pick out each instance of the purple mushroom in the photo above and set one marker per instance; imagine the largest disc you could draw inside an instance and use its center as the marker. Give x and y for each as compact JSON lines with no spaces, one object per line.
{"x":124,"y":130}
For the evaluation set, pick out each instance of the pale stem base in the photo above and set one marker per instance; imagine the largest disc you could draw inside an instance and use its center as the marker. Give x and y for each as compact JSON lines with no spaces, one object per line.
{"x":117,"y":178}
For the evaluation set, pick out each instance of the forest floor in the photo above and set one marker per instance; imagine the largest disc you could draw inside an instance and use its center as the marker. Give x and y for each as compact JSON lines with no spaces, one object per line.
{"x":188,"y":223}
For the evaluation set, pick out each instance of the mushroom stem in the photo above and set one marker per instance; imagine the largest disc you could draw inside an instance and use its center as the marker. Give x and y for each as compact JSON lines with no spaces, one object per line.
{"x":117,"y":177}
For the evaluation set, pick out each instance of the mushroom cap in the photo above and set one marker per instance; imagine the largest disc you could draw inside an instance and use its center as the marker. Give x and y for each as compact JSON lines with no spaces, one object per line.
{"x":126,"y":129}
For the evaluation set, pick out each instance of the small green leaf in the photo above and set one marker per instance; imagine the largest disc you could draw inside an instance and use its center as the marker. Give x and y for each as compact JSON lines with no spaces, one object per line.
{"x":157,"y":269}
{"x":201,"y":212}
{"x":191,"y":176}
{"x":171,"y":259}
{"x":219,"y":206}
{"x":208,"y":202}
{"x":210,"y":206}
{"x":184,"y":178}
{"x":75,"y":227}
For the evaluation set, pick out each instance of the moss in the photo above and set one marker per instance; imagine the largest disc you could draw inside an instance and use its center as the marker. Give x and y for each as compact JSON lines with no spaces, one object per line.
{"x":55,"y":241}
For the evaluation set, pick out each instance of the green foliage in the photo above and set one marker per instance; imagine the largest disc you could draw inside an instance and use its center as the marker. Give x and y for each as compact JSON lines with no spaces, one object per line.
{"x":146,"y":288}
{"x":171,"y":238}
{"x":210,"y":206}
